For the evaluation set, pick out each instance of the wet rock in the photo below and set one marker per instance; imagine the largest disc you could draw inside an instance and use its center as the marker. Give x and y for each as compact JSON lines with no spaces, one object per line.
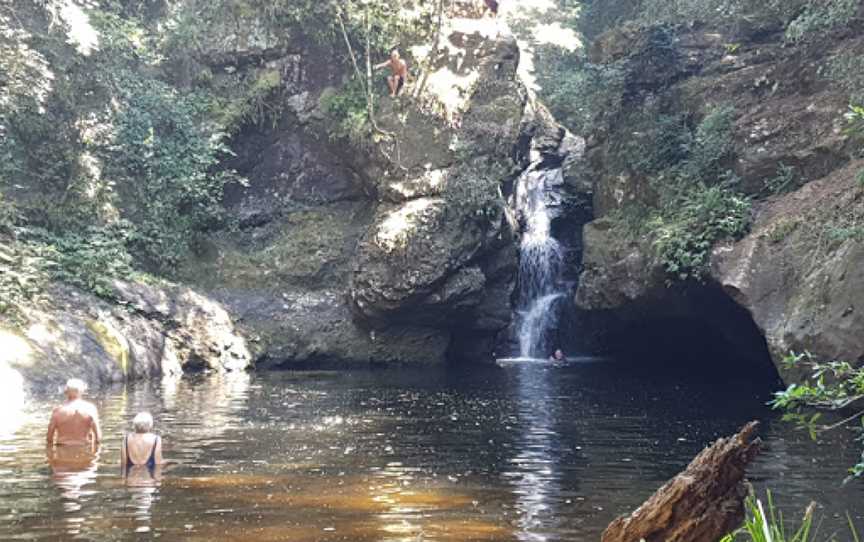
{"x":155,"y":330}
{"x":316,"y":329}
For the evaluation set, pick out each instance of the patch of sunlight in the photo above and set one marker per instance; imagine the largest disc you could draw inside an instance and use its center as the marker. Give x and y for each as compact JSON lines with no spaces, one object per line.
{"x":26,"y":70}
{"x":396,"y":229}
{"x":451,"y":89}
{"x":450,"y":84}
{"x":430,"y":181}
{"x":528,"y":6}
{"x":81,"y":33}
{"x":535,"y":23}
{"x":12,"y":403}
{"x":41,"y":333}
{"x":556,"y":34}
{"x":14,"y":349}
{"x":91,"y":168}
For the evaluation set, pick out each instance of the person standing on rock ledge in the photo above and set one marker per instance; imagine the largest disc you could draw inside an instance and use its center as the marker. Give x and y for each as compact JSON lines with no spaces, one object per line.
{"x":400,"y":72}
{"x":76,"y":422}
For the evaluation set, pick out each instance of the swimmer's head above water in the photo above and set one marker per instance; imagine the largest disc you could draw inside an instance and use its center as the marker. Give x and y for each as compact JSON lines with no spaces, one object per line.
{"x":75,"y":388}
{"x":143,"y":422}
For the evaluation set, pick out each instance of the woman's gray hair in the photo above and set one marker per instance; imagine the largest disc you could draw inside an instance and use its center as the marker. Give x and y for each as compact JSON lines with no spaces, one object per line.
{"x":143,"y":422}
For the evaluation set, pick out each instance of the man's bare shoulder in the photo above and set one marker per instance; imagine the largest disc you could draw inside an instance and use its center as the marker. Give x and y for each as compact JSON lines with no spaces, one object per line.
{"x":89,"y":408}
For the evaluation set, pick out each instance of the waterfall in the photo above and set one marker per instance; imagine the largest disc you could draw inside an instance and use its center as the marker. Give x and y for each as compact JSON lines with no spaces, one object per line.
{"x":540,"y":262}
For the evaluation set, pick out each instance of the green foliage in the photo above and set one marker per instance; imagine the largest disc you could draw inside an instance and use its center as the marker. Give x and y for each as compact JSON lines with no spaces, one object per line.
{"x":22,"y":278}
{"x":9,"y":216}
{"x":260,"y":102}
{"x":684,"y":11}
{"x":847,"y":70}
{"x":693,"y":223}
{"x":765,"y":523}
{"x":761,"y":525}
{"x":474,"y":191}
{"x":828,"y":386}
{"x":89,"y":259}
{"x":347,"y":113}
{"x":713,"y":144}
{"x":163,"y":157}
{"x":719,"y":13}
{"x":598,"y":16}
{"x":781,"y":231}
{"x":840,"y":234}
{"x":783,"y":182}
{"x":699,"y":204}
{"x":583,"y":96}
{"x":820,"y":16}
{"x":855,"y":128}
{"x":855,"y":121}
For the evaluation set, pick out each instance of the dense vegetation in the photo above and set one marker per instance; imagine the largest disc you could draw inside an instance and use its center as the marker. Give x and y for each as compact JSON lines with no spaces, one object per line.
{"x":116,"y":121}
{"x":682,"y":153}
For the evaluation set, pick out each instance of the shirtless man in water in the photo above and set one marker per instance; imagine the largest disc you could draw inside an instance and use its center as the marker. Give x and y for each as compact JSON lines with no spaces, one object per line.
{"x":399,"y":68}
{"x":74,"y":421}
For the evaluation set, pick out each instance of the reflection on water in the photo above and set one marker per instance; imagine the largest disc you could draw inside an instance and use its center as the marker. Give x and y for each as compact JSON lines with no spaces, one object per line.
{"x":533,"y":453}
{"x":72,"y":469}
{"x":535,"y":470}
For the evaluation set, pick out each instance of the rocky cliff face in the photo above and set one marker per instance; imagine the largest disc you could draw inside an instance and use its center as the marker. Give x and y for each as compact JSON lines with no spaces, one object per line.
{"x":397,"y":252}
{"x":796,"y":276}
{"x":396,"y":249}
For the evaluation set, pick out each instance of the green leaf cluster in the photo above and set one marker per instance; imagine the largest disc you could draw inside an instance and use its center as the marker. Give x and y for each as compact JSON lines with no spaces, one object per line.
{"x":347,"y":113}
{"x":698,"y":203}
{"x":164,"y":157}
{"x":764,"y":522}
{"x":691,"y":223}
{"x":828,"y":386}
{"x":819,"y":16}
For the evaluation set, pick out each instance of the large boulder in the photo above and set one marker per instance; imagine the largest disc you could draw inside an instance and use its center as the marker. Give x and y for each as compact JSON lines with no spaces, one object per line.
{"x":422,"y":259}
{"x":799,"y":273}
{"x":153,"y":331}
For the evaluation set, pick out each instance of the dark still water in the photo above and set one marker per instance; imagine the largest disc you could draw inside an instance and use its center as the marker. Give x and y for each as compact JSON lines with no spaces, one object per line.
{"x":527,"y":453}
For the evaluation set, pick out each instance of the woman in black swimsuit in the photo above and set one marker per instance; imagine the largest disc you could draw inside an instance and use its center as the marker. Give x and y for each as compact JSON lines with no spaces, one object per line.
{"x":143,"y":448}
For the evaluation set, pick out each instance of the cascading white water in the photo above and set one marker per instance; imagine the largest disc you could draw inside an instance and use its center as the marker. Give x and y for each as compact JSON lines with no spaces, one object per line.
{"x":540,"y":263}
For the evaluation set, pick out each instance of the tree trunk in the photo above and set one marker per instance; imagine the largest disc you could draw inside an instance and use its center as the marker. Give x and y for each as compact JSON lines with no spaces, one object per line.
{"x":702,"y":504}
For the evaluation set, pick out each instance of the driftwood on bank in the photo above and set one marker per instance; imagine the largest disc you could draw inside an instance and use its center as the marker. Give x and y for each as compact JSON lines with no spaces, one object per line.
{"x":702,"y":504}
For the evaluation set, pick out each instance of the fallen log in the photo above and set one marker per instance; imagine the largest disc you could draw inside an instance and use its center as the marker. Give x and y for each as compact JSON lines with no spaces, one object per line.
{"x":701,"y":504}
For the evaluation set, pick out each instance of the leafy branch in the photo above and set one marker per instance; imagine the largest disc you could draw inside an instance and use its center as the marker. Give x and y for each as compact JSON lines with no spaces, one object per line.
{"x":835,"y":386}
